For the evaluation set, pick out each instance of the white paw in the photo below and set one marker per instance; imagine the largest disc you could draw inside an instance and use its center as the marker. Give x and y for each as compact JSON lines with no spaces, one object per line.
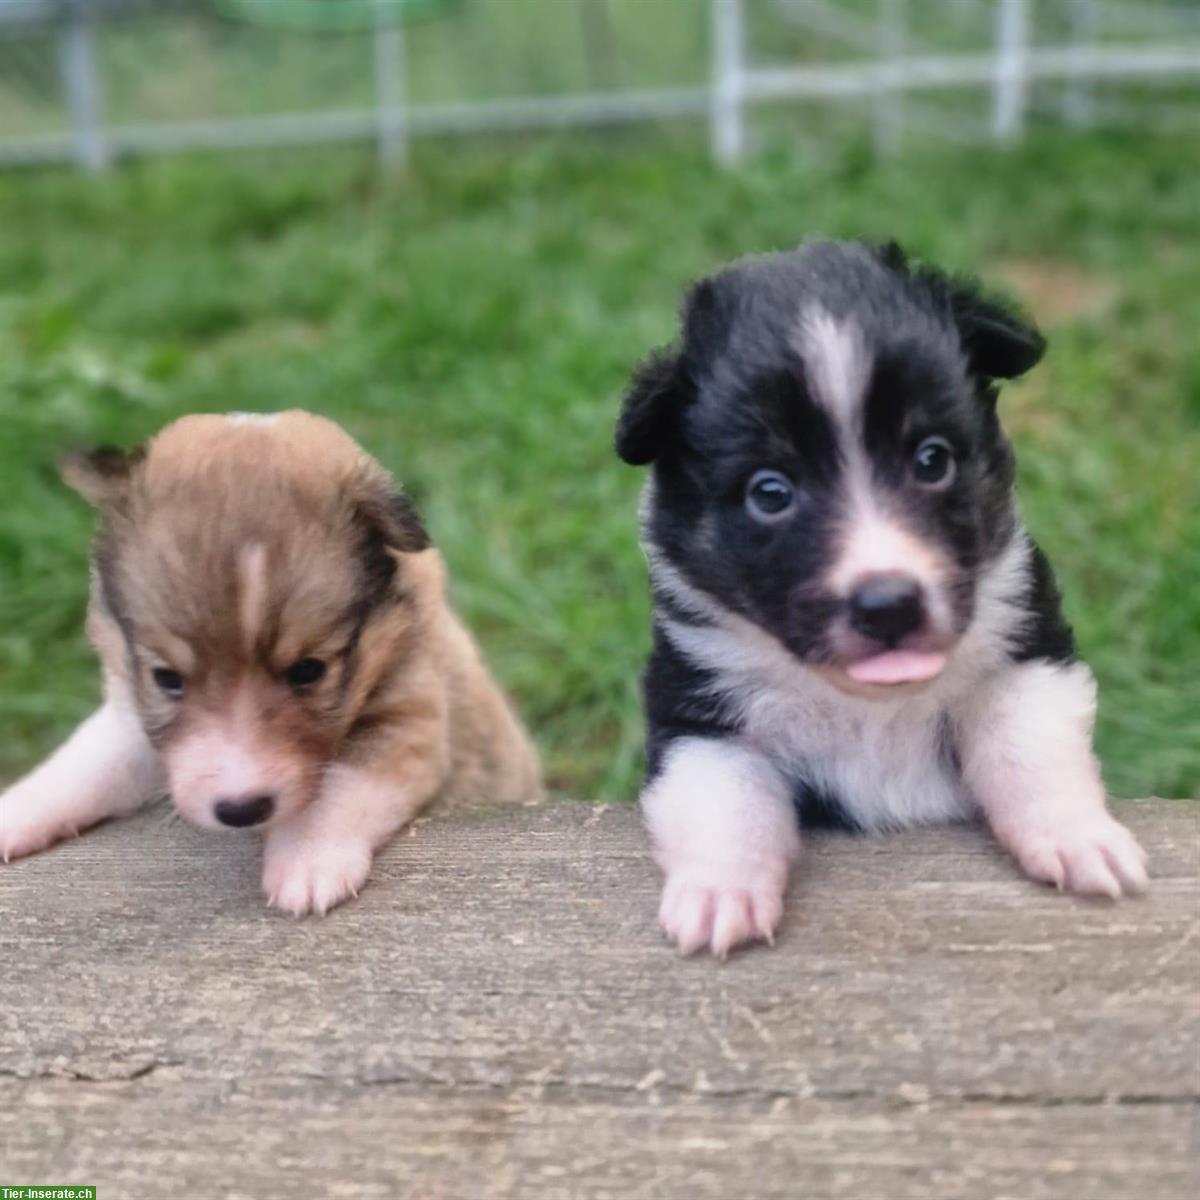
{"x":1099,"y":857}
{"x":722,"y":906}
{"x":29,"y":822}
{"x":302,"y":877}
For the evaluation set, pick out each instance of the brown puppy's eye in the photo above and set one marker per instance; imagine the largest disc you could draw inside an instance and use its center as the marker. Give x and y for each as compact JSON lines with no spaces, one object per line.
{"x":170,"y":682}
{"x":933,"y":463}
{"x":304,"y":672}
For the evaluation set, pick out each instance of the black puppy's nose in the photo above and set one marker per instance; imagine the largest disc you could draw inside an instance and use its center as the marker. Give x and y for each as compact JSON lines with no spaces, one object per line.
{"x":886,"y":607}
{"x":242,"y":811}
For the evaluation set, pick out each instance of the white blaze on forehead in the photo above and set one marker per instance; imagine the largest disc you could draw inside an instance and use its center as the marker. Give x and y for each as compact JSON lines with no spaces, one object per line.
{"x":837,"y":364}
{"x":245,"y":418}
{"x":252,"y":593}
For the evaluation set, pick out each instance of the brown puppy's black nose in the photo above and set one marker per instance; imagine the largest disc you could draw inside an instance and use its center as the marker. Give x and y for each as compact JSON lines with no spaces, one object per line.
{"x":242,"y":811}
{"x":886,"y":607}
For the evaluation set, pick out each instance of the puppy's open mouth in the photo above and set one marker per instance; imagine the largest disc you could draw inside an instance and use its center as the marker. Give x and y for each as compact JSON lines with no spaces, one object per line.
{"x":897,"y":666}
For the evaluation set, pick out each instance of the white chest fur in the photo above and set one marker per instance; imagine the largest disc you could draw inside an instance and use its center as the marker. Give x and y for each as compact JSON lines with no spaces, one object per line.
{"x":889,"y":762}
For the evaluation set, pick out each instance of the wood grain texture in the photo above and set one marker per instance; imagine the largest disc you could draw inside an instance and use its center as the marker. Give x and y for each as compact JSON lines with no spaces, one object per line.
{"x":498,"y":1016}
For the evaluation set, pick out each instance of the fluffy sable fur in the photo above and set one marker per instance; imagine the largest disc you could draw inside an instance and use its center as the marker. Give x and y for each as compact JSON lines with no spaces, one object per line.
{"x":277,"y":652}
{"x":851,"y":625}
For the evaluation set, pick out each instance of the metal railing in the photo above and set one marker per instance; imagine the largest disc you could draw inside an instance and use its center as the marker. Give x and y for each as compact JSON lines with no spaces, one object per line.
{"x":887,"y":67}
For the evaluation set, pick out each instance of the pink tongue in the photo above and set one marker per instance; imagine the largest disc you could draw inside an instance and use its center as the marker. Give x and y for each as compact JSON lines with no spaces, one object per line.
{"x":898,"y":666}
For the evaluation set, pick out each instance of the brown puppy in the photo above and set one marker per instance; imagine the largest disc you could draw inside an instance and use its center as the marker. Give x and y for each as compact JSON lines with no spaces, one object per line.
{"x":277,"y":651}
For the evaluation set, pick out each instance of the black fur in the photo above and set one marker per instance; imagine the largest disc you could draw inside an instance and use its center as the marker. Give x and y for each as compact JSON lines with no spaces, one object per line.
{"x":817,"y":809}
{"x":391,"y":519}
{"x":1046,"y":634}
{"x":679,"y":701}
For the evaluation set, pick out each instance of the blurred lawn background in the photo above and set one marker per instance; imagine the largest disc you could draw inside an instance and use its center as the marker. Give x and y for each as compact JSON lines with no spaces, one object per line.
{"x":474,"y":320}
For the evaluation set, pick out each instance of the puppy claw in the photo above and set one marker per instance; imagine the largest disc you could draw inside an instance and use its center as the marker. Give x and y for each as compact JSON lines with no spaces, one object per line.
{"x":28,"y":828}
{"x":1131,"y":871}
{"x":1101,"y":859}
{"x":696,"y":912}
{"x":688,"y":919}
{"x":303,"y":878}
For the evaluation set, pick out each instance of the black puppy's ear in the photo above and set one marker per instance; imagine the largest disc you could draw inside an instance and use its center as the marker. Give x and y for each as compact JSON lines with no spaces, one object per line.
{"x":1000,"y":343}
{"x":649,"y":408}
{"x":664,"y":383}
{"x":101,"y":476}
{"x":391,"y":516}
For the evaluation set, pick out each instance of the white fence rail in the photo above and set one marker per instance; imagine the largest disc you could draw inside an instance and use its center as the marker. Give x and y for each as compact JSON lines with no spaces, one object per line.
{"x":887,"y":68}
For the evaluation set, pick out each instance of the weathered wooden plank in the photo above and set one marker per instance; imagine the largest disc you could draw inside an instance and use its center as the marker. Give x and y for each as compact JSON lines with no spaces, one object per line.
{"x":499,"y":998}
{"x":255,"y":1140}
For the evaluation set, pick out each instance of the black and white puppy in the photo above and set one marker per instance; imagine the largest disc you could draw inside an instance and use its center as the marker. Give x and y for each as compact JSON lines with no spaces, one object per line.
{"x":851,"y":624}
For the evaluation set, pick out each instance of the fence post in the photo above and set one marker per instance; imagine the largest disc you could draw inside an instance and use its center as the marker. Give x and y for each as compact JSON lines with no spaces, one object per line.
{"x":391,"y":121}
{"x":889,"y":106}
{"x":77,"y":65}
{"x":728,"y":130}
{"x":1077,"y":104}
{"x":1011,"y":80}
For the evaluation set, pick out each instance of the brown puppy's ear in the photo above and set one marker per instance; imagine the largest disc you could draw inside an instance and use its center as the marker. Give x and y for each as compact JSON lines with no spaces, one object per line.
{"x":101,"y":476}
{"x":391,"y":516}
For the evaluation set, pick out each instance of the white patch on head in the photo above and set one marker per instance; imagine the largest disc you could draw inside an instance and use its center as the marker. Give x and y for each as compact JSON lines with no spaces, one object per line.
{"x":266,"y":420}
{"x":837,"y":363}
{"x":839,"y":369}
{"x":252,"y":593}
{"x":1027,"y":759}
{"x":884,"y":758}
{"x":725,"y":833}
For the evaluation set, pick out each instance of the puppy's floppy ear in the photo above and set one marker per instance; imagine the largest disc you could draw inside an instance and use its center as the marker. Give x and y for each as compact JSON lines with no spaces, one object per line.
{"x":649,"y":408}
{"x":101,"y":476}
{"x":390,"y":515}
{"x":665,"y":382}
{"x":999,"y":342}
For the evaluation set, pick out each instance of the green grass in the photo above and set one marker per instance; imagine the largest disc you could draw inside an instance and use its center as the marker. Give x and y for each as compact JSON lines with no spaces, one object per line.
{"x":473,"y":324}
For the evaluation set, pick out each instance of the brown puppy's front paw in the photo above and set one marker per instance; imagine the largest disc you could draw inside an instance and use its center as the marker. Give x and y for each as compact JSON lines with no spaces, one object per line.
{"x":1099,"y":857}
{"x":313,"y":877}
{"x":722,"y":907}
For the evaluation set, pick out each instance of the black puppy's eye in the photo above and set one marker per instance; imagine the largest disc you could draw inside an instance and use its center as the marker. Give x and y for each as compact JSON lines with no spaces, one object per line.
{"x":933,"y":463}
{"x":770,"y":496}
{"x":169,"y":682}
{"x":304,"y":672}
